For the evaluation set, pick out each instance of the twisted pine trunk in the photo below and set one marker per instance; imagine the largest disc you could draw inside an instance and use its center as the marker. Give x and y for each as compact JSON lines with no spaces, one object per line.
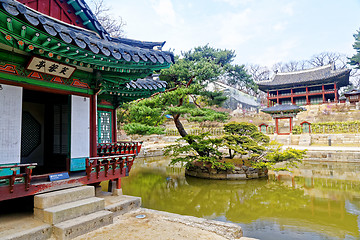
{"x":181,"y":128}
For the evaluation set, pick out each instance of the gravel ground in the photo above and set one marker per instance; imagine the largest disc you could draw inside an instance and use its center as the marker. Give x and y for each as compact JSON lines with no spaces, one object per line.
{"x":153,"y":226}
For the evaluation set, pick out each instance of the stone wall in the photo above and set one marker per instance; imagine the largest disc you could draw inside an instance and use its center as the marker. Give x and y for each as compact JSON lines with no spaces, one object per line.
{"x":239,"y":173}
{"x":336,"y":139}
{"x":318,"y":139}
{"x":332,"y":156}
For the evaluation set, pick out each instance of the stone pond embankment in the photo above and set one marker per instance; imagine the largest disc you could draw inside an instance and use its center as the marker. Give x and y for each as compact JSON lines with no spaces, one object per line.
{"x":239,"y":173}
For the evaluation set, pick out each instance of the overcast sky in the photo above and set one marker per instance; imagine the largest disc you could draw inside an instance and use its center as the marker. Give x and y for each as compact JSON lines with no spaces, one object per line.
{"x":260,"y":31}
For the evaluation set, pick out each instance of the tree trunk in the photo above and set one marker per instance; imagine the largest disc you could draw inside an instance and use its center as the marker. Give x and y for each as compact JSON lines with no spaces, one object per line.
{"x":179,"y":126}
{"x":183,"y":133}
{"x":231,"y":156}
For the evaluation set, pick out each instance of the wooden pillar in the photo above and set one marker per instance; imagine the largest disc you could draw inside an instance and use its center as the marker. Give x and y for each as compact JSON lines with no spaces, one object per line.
{"x":336,"y":93}
{"x":93,"y":132}
{"x":277,"y":97}
{"x":118,"y":183}
{"x":323,"y":93}
{"x":268,"y":98}
{"x":276,"y":125}
{"x":291,"y":122}
{"x":307,"y":96}
{"x":292,"y":97}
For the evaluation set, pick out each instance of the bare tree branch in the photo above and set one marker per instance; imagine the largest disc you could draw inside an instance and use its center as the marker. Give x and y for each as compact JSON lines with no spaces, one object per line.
{"x":113,"y":25}
{"x":324,"y":58}
{"x":257,"y":72}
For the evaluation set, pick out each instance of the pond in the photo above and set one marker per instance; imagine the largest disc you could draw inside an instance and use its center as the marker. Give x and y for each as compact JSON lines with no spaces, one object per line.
{"x":317,"y":201}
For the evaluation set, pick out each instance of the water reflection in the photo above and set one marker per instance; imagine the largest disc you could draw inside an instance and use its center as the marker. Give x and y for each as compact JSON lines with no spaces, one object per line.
{"x":314,"y":202}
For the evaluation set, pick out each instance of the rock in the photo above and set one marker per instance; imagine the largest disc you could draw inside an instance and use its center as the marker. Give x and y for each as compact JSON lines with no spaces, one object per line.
{"x":252,"y":175}
{"x":219,"y":176}
{"x":236,"y":176}
{"x":212,"y":171}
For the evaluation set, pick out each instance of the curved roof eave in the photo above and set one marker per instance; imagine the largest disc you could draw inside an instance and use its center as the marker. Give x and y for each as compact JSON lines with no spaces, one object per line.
{"x":283,"y":108}
{"x":84,"y":38}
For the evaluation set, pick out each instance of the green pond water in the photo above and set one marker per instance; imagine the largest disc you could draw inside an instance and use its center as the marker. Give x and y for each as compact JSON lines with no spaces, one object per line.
{"x":318,"y":201}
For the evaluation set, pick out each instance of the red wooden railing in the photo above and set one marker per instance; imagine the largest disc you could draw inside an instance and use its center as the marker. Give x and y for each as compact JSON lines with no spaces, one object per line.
{"x":22,"y":177}
{"x":112,"y":166}
{"x":114,"y":161}
{"x":117,"y":148}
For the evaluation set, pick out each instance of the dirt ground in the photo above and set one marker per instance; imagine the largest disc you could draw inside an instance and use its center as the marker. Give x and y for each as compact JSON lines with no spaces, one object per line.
{"x":13,"y":223}
{"x":153,"y":226}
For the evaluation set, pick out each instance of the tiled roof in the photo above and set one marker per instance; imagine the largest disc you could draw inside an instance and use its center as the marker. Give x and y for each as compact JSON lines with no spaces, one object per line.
{"x":352,"y":92}
{"x":127,"y":49}
{"x":314,"y":75}
{"x":283,"y":108}
{"x":146,"y":84}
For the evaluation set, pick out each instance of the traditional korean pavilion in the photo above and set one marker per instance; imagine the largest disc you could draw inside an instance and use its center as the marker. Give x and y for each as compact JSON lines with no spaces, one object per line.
{"x":353,"y":96}
{"x":312,"y":86}
{"x":62,"y":77}
{"x":283,"y":112}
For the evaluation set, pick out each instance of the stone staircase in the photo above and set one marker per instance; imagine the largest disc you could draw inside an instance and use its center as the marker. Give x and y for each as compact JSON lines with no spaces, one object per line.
{"x":72,"y":212}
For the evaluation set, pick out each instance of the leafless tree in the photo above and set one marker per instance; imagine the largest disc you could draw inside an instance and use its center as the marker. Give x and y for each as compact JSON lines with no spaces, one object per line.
{"x":290,"y":66}
{"x":113,"y":25}
{"x":355,"y":78}
{"x":257,"y":72}
{"x":325,"y":58}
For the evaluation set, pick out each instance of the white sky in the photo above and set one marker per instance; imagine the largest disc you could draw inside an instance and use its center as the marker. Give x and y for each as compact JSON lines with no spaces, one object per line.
{"x":260,"y":31}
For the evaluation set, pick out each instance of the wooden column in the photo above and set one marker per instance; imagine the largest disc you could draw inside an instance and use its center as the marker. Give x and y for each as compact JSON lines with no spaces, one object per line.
{"x":292,"y":97}
{"x":277,"y":97}
{"x":93,"y":131}
{"x":323,"y":93}
{"x":336,"y":93}
{"x":291,"y":122}
{"x":268,"y":98}
{"x":307,"y":96}
{"x":118,"y":183}
{"x":276,"y":125}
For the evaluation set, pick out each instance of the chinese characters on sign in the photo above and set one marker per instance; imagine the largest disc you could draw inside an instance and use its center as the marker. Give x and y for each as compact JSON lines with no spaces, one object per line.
{"x":50,"y":67}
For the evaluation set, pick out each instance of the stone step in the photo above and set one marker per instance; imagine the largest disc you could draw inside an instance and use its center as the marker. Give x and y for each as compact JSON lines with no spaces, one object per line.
{"x":51,"y":199}
{"x":60,"y":213}
{"x":81,"y":225}
{"x":38,"y":233}
{"x":123,"y":204}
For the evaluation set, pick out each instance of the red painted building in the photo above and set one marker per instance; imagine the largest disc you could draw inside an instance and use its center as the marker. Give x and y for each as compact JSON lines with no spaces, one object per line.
{"x":312,"y":86}
{"x":353,"y":96}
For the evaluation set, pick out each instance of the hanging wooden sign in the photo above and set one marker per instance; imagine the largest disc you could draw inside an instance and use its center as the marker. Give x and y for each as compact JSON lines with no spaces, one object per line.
{"x":50,"y":67}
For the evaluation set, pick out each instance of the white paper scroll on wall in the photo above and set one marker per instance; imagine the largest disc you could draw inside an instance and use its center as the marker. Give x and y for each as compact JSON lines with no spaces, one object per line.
{"x":10,"y":123}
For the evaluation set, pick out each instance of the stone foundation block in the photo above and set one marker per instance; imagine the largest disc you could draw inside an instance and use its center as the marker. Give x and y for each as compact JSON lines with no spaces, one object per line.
{"x":81,"y":225}
{"x":51,"y":199}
